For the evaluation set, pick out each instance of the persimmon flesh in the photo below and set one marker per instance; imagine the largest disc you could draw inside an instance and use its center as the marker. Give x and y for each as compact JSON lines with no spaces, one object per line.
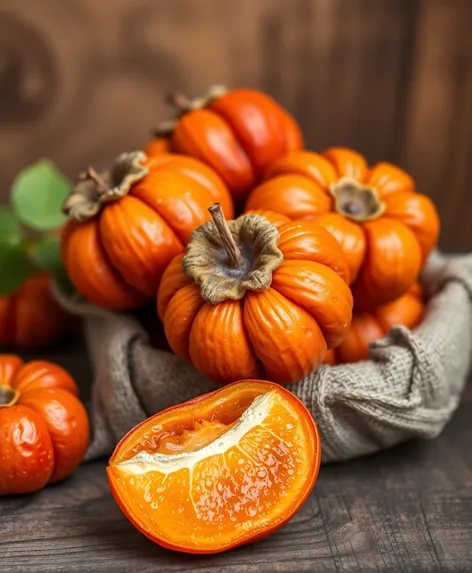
{"x":225,"y":469}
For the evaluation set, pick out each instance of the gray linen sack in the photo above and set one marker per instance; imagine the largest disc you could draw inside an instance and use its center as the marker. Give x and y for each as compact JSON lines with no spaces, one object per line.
{"x":409,"y":388}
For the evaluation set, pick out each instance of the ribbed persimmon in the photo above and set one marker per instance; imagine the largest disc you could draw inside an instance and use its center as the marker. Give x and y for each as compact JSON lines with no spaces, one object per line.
{"x":385,"y":228}
{"x":239,"y":133}
{"x":157,"y":146}
{"x":249,"y":300}
{"x":127,"y":224}
{"x":30,"y":317}
{"x":225,"y":469}
{"x":44,"y":429}
{"x":366,"y":327}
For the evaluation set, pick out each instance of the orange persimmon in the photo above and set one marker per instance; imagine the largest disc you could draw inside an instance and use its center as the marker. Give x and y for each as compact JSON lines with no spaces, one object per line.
{"x":30,"y":317}
{"x":158,"y":146}
{"x":222,"y":470}
{"x":366,"y":327}
{"x":44,"y":429}
{"x":249,"y":300}
{"x":385,"y":228}
{"x":127,"y":224}
{"x":239,"y":133}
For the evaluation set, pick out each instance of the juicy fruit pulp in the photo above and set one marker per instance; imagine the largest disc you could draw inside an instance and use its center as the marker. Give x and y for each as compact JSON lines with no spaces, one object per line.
{"x":225,"y":469}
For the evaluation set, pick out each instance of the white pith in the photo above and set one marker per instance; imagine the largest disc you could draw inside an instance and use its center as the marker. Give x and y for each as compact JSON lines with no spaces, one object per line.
{"x":255,"y":415}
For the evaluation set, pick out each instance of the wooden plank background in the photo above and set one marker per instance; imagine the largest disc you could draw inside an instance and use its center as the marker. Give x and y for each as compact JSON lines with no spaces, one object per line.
{"x":81,"y":80}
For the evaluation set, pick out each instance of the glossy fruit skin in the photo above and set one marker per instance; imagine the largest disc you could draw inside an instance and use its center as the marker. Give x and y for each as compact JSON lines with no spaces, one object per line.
{"x":239,"y":134}
{"x":385,"y":254}
{"x":230,"y":397}
{"x":279,"y":334}
{"x":277,"y":219}
{"x":366,"y":327}
{"x":158,"y":146}
{"x":44,"y":434}
{"x":116,"y":259}
{"x":30,"y":317}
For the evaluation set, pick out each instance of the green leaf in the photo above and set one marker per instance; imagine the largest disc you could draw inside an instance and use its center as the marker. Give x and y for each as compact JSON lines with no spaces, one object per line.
{"x":10,"y":228}
{"x":46,"y":254}
{"x":37,"y":196}
{"x":14,"y":267}
{"x":62,"y":279}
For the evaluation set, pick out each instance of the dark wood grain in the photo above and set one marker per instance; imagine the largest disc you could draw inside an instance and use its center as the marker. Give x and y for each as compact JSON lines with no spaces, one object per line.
{"x":407,"y":509}
{"x":83,"y":80}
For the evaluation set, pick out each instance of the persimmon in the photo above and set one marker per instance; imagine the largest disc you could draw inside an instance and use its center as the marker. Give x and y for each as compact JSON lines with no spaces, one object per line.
{"x":30,"y":317}
{"x":127,"y":224}
{"x":239,"y":133}
{"x":386,"y":229}
{"x":44,"y":429}
{"x":158,"y":146}
{"x":248,"y":300}
{"x":277,"y":219}
{"x":366,"y":327}
{"x":222,"y":470}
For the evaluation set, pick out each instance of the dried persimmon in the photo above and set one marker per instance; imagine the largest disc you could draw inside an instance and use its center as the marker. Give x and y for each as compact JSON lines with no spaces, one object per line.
{"x":225,"y":469}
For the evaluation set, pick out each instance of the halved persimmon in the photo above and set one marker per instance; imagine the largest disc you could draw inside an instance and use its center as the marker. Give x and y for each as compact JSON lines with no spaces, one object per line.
{"x":222,"y":470}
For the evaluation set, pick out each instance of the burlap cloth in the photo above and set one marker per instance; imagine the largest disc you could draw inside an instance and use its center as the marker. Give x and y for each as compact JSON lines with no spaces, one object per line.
{"x":409,"y":388}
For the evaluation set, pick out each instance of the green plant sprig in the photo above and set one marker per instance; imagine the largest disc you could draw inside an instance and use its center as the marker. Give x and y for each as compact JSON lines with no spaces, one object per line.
{"x":28,"y":243}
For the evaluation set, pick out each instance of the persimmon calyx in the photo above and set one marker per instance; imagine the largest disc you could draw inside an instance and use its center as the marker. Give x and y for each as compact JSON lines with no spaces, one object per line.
{"x":8,"y":396}
{"x":183,"y":104}
{"x":93,"y":190}
{"x":356,"y":201}
{"x":228,"y":258}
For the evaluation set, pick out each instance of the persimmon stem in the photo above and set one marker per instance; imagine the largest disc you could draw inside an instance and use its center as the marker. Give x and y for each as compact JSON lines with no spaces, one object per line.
{"x":179,"y":100}
{"x":234,"y":253}
{"x":92,"y":175}
{"x":8,"y":396}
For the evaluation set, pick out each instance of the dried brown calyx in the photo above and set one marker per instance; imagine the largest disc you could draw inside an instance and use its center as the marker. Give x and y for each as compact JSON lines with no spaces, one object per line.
{"x":228,"y":258}
{"x":8,"y":396}
{"x":356,"y":201}
{"x":93,"y":190}
{"x":183,"y":104}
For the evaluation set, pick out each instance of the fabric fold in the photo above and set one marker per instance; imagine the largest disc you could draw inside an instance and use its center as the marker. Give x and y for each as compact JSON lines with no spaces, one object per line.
{"x":409,"y":388}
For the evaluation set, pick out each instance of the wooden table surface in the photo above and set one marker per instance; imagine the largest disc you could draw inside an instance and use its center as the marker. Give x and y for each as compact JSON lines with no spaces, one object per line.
{"x":408,"y":509}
